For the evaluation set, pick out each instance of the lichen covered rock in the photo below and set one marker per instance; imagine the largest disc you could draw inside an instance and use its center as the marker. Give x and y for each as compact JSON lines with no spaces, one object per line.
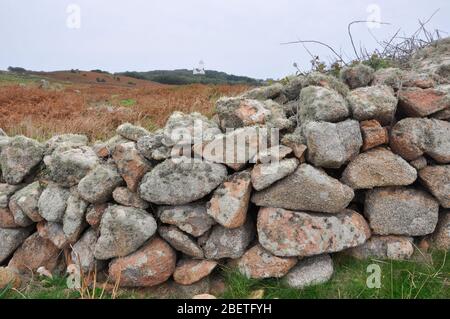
{"x":19,"y":157}
{"x":122,"y":231}
{"x":228,"y":243}
{"x":97,"y":186}
{"x":229,"y":203}
{"x":287,"y":233}
{"x":373,"y":103}
{"x":258,"y":263}
{"x":437,"y":180}
{"x":308,"y":188}
{"x":131,"y":165}
{"x":190,"y":271}
{"x":357,"y":76}
{"x":53,"y":202}
{"x":151,"y":265}
{"x":180,"y":241}
{"x":10,"y":239}
{"x":332,"y":145}
{"x":322,"y":104}
{"x":68,"y":165}
{"x":24,"y":205}
{"x":384,"y":247}
{"x":401,"y":211}
{"x":191,"y":218}
{"x":310,"y":271}
{"x":376,"y":168}
{"x":181,"y":182}
{"x":414,"y":137}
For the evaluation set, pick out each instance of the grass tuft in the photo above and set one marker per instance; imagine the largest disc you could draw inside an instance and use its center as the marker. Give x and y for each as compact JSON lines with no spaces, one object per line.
{"x":399,"y":280}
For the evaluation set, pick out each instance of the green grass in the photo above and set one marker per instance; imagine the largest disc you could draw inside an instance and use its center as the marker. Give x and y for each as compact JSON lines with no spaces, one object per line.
{"x":128,"y":102}
{"x":55,"y":288}
{"x":399,"y":280}
{"x":7,"y":78}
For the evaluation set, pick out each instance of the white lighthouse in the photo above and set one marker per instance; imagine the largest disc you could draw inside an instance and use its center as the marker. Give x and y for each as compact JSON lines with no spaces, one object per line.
{"x":200,"y":69}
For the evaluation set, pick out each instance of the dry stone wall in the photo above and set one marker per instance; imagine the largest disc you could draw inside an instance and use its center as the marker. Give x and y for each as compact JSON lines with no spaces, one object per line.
{"x":279,"y":181}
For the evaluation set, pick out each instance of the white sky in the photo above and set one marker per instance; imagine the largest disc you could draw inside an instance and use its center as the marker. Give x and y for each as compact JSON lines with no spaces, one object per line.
{"x":236,"y":36}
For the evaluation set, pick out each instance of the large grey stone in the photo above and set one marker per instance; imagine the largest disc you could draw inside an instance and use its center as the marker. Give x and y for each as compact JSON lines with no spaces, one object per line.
{"x":229,"y":243}
{"x":122,"y":231}
{"x":6,"y":191}
{"x":396,"y":78}
{"x":378,"y":167}
{"x":98,"y":185}
{"x":373,"y":102}
{"x":322,"y":104}
{"x":264,"y":175}
{"x":391,"y":77}
{"x":293,"y":88}
{"x":437,"y":180}
{"x":191,"y":218}
{"x":237,"y":112}
{"x":19,"y":157}
{"x":310,"y":271}
{"x":131,"y":132}
{"x":74,"y":218}
{"x":125,"y":197}
{"x":53,"y":202}
{"x":287,"y":233}
{"x":308,"y":188}
{"x":327,"y":81}
{"x":401,"y":211}
{"x":188,"y":129}
{"x":237,"y":147}
{"x":264,"y":93}
{"x":413,"y":137}
{"x":73,"y":140}
{"x":384,"y":247}
{"x":68,"y":165}
{"x":10,"y":239}
{"x":83,"y":252}
{"x":153,"y":146}
{"x":182,"y":181}
{"x":180,"y":241}
{"x":332,"y":145}
{"x":24,"y":205}
{"x":357,"y":75}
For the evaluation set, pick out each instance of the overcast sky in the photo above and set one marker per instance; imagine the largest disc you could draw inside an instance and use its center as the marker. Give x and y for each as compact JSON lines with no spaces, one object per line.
{"x":236,"y":36}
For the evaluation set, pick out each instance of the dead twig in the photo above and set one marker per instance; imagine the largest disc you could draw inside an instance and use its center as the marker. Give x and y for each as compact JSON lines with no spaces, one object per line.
{"x":349,"y":30}
{"x":321,"y":43}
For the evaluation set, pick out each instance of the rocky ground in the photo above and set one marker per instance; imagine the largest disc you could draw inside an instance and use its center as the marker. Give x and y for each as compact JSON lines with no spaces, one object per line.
{"x":360,"y":168}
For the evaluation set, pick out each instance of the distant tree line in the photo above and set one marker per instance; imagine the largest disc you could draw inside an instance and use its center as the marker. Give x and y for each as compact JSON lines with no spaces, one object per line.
{"x":17,"y":69}
{"x":184,"y":76}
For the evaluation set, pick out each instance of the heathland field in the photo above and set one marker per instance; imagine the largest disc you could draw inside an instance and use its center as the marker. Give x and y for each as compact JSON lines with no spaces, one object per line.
{"x":40,"y":105}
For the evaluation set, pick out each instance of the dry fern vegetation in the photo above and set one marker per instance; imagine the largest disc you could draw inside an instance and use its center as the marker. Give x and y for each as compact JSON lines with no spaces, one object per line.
{"x":73,"y":103}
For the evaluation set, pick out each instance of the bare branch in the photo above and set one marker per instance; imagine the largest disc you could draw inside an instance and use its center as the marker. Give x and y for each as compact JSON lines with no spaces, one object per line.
{"x":398,"y":48}
{"x":349,"y":29}
{"x":317,"y":42}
